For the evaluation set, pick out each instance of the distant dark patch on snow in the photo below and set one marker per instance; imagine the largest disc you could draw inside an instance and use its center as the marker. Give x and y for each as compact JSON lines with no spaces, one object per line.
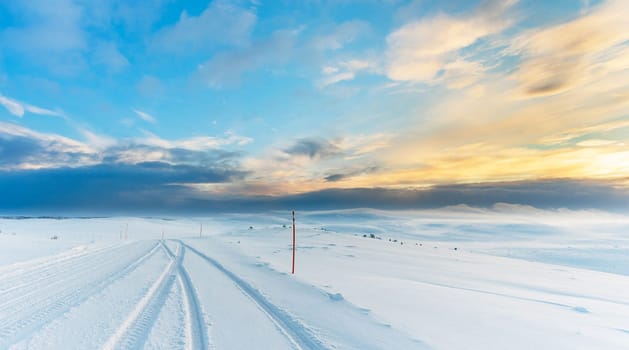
{"x":581,"y":309}
{"x":336,"y":296}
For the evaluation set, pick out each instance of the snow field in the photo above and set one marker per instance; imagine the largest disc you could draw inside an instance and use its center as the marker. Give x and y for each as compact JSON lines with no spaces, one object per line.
{"x":406,"y":288}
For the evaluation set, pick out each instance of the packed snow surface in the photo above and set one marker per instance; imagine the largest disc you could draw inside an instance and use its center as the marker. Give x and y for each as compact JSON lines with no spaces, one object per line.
{"x":509,"y":277}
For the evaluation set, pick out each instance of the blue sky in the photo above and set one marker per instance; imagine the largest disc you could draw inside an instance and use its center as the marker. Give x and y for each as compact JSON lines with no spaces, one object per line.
{"x":226,"y":99}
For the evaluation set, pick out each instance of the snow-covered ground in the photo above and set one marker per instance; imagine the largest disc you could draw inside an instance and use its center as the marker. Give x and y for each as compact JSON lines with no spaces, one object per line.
{"x":459,"y":278}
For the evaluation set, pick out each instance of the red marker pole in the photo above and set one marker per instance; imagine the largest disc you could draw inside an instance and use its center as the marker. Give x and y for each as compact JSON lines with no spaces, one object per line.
{"x":293,"y":242}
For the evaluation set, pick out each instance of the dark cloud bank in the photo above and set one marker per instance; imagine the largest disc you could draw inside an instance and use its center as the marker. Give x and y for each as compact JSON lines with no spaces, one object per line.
{"x":156,"y":188}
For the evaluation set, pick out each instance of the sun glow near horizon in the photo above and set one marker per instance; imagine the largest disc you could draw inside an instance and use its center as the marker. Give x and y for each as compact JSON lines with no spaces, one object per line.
{"x":270,"y":99}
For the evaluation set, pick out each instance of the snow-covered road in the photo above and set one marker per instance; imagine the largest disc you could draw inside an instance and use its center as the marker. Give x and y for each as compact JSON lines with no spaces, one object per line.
{"x":151,"y":294}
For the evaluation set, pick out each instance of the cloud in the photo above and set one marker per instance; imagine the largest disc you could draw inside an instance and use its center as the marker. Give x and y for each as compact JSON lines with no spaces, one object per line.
{"x":341,"y":35}
{"x":306,"y":46}
{"x":595,"y":143}
{"x":132,"y":153}
{"x":108,"y":55}
{"x":345,"y":174}
{"x":18,"y":108}
{"x":15,"y":149}
{"x":573,"y":133}
{"x":12,"y":106}
{"x":145,"y":116}
{"x":49,"y":35}
{"x":313,"y":148}
{"x":305,"y":163}
{"x":221,"y":23}
{"x":577,"y":130}
{"x":22,"y":148}
{"x":154,"y":187}
{"x":198,"y":143}
{"x":358,"y":145}
{"x":150,"y":86}
{"x":344,"y":71}
{"x":566,"y":55}
{"x":50,"y":27}
{"x":226,"y":68}
{"x":107,"y":188}
{"x":421,"y":50}
{"x":98,"y":142}
{"x":335,"y":177}
{"x":196,"y":151}
{"x":541,"y":194}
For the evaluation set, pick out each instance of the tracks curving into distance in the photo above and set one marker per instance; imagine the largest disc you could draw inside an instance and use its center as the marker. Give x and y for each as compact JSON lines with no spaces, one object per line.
{"x":197,"y":331}
{"x":41,"y":291}
{"x":297,"y":333}
{"x":134,"y":331}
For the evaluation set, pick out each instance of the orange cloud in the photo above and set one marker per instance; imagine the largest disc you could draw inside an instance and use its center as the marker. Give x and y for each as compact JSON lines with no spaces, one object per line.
{"x":564,"y":56}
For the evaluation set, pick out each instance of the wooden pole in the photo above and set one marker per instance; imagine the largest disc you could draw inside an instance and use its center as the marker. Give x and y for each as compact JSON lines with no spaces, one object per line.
{"x":293,"y":271}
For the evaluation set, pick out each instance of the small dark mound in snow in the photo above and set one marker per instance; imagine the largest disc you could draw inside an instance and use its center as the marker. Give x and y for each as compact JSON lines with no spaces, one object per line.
{"x":336,"y":296}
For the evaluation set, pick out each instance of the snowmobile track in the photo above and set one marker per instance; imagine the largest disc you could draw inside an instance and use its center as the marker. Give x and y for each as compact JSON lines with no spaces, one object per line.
{"x":196,"y":331}
{"x":134,"y":330}
{"x":296,"y":332}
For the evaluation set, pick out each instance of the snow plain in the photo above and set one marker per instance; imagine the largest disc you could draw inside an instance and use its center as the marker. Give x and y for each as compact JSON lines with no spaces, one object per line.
{"x":509,"y":277}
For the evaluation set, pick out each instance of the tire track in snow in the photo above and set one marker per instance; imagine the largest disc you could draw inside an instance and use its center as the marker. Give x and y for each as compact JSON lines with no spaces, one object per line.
{"x":22,"y":274}
{"x":135,"y":329}
{"x":52,"y":306}
{"x":297,"y":333}
{"x":54,"y":281}
{"x":196,"y":330}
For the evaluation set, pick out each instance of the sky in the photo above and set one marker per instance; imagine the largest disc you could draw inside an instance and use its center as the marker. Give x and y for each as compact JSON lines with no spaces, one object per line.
{"x":166,"y":105}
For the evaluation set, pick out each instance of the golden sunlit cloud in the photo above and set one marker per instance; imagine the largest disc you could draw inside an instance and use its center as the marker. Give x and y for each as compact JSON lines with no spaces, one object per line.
{"x":561,"y":113}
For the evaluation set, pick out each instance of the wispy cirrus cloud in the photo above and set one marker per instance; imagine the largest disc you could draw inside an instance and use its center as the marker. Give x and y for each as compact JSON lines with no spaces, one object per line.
{"x":18,"y":108}
{"x":12,"y":106}
{"x":145,"y":116}
{"x":300,"y":45}
{"x":197,"y":143}
{"x":344,"y":71}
